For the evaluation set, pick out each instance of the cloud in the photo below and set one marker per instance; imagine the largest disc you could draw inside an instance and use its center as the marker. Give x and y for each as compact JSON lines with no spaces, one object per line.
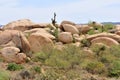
{"x":77,"y":11}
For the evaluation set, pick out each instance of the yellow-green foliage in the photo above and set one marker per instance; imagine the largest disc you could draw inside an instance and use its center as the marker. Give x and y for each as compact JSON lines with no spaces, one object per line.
{"x":4,"y":75}
{"x":95,"y":67}
{"x":66,"y":58}
{"x":104,"y":60}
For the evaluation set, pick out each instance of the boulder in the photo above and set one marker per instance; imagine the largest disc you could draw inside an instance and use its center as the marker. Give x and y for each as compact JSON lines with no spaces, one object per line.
{"x":40,"y":31}
{"x":11,"y":54}
{"x":66,"y":22}
{"x":117,"y":27}
{"x":14,"y":38}
{"x":11,"y":43}
{"x":83,"y":28}
{"x":70,"y":28}
{"x":117,"y":32}
{"x":39,"y":41}
{"x":20,"y":58}
{"x":104,"y":34}
{"x":65,"y":37}
{"x":105,"y":40}
{"x":22,"y":25}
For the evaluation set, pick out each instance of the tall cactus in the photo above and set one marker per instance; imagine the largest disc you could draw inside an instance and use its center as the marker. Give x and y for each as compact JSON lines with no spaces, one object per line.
{"x":54,"y":20}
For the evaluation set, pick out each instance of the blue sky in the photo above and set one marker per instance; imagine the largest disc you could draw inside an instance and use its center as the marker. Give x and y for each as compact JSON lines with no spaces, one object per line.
{"x":78,"y":11}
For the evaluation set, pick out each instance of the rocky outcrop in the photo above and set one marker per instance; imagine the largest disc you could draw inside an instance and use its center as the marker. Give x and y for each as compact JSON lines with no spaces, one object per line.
{"x":65,"y":37}
{"x":14,"y":38}
{"x":11,"y":54}
{"x":66,"y":22}
{"x":70,"y":28}
{"x":105,"y":40}
{"x":109,"y":35}
{"x":38,"y":41}
{"x":22,"y":25}
{"x":40,"y":31}
{"x":117,"y":32}
{"x":83,"y":28}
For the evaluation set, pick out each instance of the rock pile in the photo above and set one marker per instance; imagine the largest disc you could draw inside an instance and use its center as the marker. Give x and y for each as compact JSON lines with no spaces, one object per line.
{"x":20,"y":37}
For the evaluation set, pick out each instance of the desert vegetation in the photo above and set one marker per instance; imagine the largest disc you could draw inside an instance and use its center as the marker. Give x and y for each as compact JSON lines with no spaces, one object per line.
{"x":66,"y":51}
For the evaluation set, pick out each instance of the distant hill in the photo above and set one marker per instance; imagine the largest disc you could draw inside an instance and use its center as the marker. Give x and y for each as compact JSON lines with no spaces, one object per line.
{"x":115,"y":23}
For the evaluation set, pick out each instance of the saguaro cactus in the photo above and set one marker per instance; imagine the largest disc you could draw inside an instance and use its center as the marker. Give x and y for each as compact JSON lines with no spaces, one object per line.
{"x":54,"y":19}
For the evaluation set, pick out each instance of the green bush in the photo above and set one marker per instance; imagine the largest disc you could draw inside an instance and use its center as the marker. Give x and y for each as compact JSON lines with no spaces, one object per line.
{"x":66,"y":58}
{"x":108,"y":27}
{"x":4,"y":75}
{"x":49,"y":75}
{"x":114,"y":69}
{"x":95,"y":67}
{"x":85,"y":43}
{"x":98,"y":49}
{"x":115,"y":50}
{"x":14,"y":67}
{"x":36,"y":69}
{"x":91,"y":32}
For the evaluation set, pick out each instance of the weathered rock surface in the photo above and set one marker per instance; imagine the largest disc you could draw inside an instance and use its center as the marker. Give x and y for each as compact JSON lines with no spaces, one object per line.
{"x":83,"y":28}
{"x":11,"y":54}
{"x":105,"y":40}
{"x":104,"y":34}
{"x":23,"y":24}
{"x":70,"y":28}
{"x":66,"y":22}
{"x":39,"y":41}
{"x":14,"y":38}
{"x":117,"y":32}
{"x":65,"y":37}
{"x":40,"y":31}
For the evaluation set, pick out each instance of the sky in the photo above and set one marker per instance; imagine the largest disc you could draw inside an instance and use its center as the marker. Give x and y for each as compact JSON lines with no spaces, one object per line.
{"x":78,"y":11}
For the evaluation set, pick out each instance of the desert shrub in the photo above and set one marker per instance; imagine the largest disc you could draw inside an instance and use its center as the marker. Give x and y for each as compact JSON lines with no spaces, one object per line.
{"x":66,"y":58}
{"x":36,"y":69}
{"x":95,"y":67}
{"x":55,"y":33}
{"x":4,"y":75}
{"x":114,"y":69}
{"x":14,"y":67}
{"x":108,"y":27}
{"x":98,"y":49}
{"x":115,"y":50}
{"x":57,"y":63}
{"x":85,"y":43}
{"x":91,"y":32}
{"x":49,"y":75}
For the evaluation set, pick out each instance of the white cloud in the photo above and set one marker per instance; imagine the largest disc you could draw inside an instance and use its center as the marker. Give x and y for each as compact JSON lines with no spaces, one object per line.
{"x":80,"y":11}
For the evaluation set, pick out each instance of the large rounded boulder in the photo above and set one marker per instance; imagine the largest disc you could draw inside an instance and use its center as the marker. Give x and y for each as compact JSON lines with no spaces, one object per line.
{"x":11,"y":54}
{"x":38,"y":41}
{"x":66,"y":22}
{"x":104,"y":34}
{"x":83,"y":28}
{"x":105,"y":40}
{"x":70,"y":28}
{"x":14,"y":38}
{"x":65,"y":37}
{"x":23,"y":24}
